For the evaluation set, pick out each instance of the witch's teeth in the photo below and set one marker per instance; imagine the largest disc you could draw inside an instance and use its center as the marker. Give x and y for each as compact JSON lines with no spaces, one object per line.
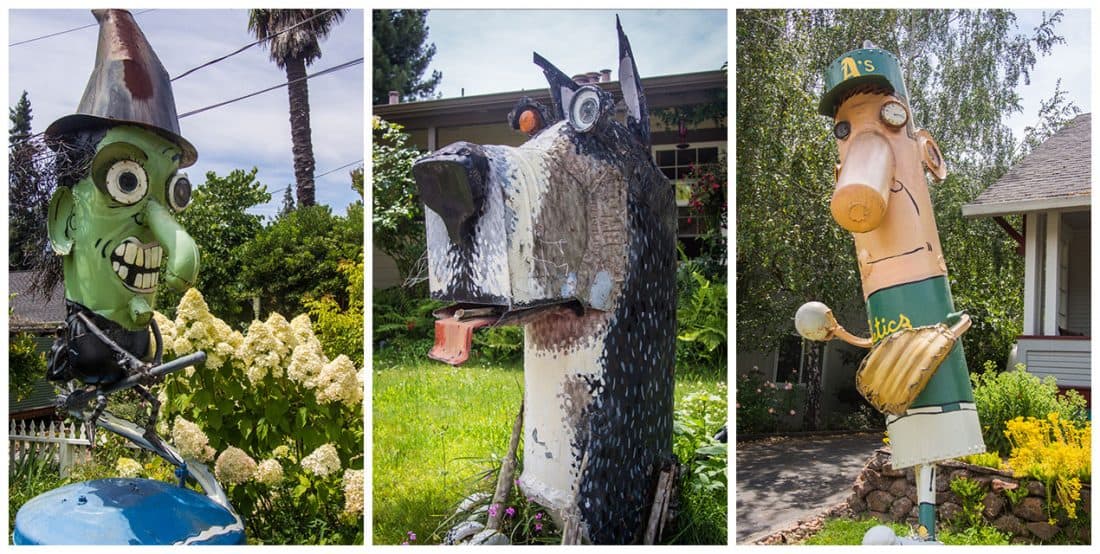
{"x":131,"y":252}
{"x":139,"y":260}
{"x":160,"y":255}
{"x":115,"y":266}
{"x":123,"y":271}
{"x":152,"y":280}
{"x":120,"y":250}
{"x":153,"y":257}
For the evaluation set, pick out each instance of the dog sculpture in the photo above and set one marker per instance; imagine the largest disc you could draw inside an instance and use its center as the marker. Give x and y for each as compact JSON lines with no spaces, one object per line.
{"x":571,"y":235}
{"x":916,"y":372}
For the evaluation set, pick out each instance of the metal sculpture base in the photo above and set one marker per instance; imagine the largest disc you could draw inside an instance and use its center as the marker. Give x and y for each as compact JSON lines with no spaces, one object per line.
{"x":126,"y":511}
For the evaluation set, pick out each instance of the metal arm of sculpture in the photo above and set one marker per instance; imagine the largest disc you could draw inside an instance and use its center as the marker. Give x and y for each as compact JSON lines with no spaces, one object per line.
{"x":915,"y":372}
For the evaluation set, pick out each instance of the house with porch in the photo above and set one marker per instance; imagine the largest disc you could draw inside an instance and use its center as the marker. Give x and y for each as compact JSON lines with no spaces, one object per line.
{"x":1051,"y":188}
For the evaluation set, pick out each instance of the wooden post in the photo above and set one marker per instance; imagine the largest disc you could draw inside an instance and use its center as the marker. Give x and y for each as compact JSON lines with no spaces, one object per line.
{"x":507,"y":470}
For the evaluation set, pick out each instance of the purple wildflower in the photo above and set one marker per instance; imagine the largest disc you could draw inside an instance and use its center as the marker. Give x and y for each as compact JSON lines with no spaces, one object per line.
{"x":510,"y":512}
{"x":493,"y":509}
{"x":538,"y":527}
{"x":538,"y":516}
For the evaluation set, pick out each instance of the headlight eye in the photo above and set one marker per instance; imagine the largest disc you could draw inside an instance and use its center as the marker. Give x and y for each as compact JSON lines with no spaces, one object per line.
{"x":179,"y":192}
{"x":584,"y":109}
{"x":842,"y":130}
{"x":126,"y":182}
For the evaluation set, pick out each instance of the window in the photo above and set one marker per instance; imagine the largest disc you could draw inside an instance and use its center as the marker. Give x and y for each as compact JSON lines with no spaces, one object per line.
{"x":676,"y":164}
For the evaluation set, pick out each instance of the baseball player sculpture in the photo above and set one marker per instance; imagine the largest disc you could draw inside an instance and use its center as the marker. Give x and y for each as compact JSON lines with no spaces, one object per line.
{"x":915,"y":372}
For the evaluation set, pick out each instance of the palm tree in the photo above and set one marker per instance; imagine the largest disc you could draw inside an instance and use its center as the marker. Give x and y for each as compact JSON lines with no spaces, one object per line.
{"x":293,"y":50}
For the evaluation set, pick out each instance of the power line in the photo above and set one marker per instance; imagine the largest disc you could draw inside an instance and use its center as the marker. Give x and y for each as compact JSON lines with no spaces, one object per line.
{"x":335,"y":169}
{"x":247,"y":46}
{"x":66,"y":31}
{"x":344,"y":65}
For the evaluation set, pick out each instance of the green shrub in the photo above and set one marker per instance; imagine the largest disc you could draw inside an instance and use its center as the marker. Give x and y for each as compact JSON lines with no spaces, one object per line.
{"x":970,"y":494}
{"x":1002,"y":396}
{"x":499,"y":345}
{"x":700,"y":320}
{"x":698,"y":417}
{"x":763,"y":405}
{"x":25,"y":365}
{"x":403,"y":321}
{"x":341,"y":330}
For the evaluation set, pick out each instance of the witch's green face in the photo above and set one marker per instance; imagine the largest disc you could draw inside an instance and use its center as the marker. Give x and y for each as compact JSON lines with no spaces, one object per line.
{"x":115,"y":227}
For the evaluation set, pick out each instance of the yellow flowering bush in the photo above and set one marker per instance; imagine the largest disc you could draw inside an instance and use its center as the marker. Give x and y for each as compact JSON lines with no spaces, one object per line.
{"x":268,"y":394}
{"x":1055,"y":451}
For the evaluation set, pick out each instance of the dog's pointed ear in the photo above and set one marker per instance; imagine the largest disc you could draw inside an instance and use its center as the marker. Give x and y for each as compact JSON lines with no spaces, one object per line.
{"x":561,"y":86}
{"x":637,"y":115}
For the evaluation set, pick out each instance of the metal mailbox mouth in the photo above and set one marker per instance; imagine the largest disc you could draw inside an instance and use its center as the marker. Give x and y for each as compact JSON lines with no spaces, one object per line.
{"x":455,"y":325}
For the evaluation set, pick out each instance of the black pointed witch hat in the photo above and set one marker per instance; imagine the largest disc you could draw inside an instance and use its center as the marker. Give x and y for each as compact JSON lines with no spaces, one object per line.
{"x":128,"y":86}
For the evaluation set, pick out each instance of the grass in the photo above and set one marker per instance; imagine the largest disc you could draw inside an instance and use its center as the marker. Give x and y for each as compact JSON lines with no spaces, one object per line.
{"x":436,"y":428}
{"x":846,"y":531}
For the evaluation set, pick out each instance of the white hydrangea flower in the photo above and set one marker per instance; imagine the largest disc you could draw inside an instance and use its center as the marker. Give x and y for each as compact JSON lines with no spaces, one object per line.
{"x":353,"y":491}
{"x":269,"y":472}
{"x":322,"y":461}
{"x":261,"y":352}
{"x":302,"y":330}
{"x":167,"y":328}
{"x":234,"y":466}
{"x":339,"y":382}
{"x":191,"y":441}
{"x":281,"y":329}
{"x":192,"y":307}
{"x":305,"y":364}
{"x":128,"y":467}
{"x":182,"y":347}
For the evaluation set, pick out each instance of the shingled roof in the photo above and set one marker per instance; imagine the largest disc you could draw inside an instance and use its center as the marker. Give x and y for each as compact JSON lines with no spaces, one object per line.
{"x":34,"y":312}
{"x":1056,"y":175}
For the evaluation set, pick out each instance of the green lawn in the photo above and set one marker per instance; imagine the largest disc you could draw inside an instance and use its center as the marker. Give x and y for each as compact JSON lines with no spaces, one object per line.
{"x":436,"y":427}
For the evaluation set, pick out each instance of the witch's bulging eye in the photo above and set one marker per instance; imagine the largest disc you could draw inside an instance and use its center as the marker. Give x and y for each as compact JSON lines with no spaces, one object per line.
{"x":179,"y":192}
{"x":126,"y":182}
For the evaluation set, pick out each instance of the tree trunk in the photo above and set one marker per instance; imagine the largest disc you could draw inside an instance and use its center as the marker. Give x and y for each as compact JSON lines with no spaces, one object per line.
{"x":813,"y":384}
{"x":298,"y":91}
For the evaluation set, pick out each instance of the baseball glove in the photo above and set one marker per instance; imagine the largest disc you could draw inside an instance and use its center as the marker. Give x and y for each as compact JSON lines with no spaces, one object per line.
{"x":900,"y":365}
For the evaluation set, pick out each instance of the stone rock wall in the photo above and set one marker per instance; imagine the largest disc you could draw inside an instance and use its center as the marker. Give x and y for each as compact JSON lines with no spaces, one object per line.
{"x":889,"y":494}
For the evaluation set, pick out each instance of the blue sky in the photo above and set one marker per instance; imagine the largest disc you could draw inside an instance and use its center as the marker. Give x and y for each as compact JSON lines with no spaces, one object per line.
{"x":1071,"y":62}
{"x":486,"y":51}
{"x":252,"y":132}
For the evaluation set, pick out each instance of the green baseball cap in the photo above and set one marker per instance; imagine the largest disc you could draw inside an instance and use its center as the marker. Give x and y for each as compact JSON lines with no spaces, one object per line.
{"x":865,"y":66}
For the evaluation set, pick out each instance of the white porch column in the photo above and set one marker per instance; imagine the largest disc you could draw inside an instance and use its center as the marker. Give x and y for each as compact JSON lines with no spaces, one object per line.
{"x":1032,"y":265}
{"x":431,"y":139}
{"x":1051,"y":270}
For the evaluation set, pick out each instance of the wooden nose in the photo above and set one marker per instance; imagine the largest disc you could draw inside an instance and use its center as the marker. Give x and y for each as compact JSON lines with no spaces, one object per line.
{"x":863,"y":184}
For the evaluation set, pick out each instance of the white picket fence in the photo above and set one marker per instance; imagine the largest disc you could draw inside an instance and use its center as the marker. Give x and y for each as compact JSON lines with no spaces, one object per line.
{"x":65,"y":442}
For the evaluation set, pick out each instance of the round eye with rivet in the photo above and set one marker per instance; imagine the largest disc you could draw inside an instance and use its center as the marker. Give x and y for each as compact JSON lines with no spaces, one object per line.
{"x":126,"y":182}
{"x":894,"y":114}
{"x":179,"y":192}
{"x":584,"y":109}
{"x":842,"y":129}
